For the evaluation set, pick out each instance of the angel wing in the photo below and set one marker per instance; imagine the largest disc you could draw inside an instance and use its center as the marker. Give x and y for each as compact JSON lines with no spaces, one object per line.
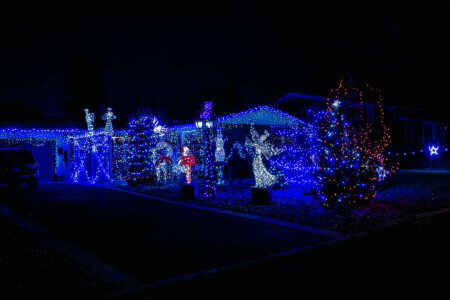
{"x":248,"y":142}
{"x":254,"y":134}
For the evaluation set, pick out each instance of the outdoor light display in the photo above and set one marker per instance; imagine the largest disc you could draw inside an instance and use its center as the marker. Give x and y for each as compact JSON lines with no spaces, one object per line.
{"x":433,"y":150}
{"x":240,"y":151}
{"x":187,"y":160}
{"x":219,"y":154}
{"x":298,"y":164}
{"x":58,"y":138}
{"x":109,"y":116}
{"x":89,"y":121}
{"x":351,"y":152}
{"x":206,"y":112}
{"x":91,"y":159}
{"x":162,"y":159}
{"x":220,"y":151}
{"x":144,"y":134}
{"x":263,"y":178}
{"x":382,"y":173}
{"x":337,"y":162}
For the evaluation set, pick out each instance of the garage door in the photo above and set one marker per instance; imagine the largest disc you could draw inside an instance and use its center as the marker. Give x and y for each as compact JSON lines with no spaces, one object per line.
{"x":43,"y":153}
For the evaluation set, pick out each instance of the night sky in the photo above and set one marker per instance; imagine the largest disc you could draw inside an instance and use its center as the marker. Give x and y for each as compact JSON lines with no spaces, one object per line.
{"x":155,"y":53}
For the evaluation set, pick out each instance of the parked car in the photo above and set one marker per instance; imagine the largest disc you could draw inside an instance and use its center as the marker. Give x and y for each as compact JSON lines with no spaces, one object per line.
{"x":17,"y":166}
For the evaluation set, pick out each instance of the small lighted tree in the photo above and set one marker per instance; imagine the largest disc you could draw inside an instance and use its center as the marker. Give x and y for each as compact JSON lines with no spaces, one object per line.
{"x":144,"y":133}
{"x":337,"y":160}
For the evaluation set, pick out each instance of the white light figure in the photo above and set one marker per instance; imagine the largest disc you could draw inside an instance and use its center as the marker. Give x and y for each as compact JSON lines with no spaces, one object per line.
{"x":158,"y":129}
{"x":382,"y":173}
{"x":108,"y":116}
{"x":263,"y":178}
{"x":433,"y":150}
{"x":162,"y":162}
{"x":89,"y":121}
{"x":315,"y":160}
{"x":220,"y":151}
{"x":187,"y":160}
{"x":336,"y":103}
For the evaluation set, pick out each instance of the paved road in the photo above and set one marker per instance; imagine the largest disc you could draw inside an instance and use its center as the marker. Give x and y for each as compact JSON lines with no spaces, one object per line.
{"x":149,"y":239}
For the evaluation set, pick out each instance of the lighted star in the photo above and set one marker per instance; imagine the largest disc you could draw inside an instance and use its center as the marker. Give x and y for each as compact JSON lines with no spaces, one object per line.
{"x":336,"y":103}
{"x":433,"y":150}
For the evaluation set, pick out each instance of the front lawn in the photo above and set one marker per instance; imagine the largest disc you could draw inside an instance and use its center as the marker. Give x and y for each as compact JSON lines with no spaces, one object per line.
{"x":408,"y":193}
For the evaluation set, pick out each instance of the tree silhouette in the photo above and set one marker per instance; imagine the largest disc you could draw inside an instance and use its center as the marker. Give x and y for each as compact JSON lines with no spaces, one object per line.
{"x":85,"y":88}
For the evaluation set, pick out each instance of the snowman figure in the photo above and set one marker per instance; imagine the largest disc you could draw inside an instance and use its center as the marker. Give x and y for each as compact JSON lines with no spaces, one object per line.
{"x":220,"y":151}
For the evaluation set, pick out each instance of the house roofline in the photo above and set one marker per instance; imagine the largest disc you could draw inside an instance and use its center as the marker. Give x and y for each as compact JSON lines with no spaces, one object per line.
{"x":321,"y":98}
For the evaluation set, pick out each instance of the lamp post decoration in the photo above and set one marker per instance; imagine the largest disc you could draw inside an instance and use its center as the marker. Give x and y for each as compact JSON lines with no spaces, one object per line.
{"x":206,"y":126}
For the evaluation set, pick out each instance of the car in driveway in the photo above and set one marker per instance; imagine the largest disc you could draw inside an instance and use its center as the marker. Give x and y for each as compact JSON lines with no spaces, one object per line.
{"x":17,"y":166}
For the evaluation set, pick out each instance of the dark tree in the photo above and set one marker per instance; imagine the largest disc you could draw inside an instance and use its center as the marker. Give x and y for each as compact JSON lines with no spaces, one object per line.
{"x":85,"y":88}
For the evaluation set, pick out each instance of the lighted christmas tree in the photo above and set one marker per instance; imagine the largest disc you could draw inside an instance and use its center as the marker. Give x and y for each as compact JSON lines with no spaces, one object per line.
{"x":144,"y":135}
{"x":337,"y":160}
{"x":354,"y":152}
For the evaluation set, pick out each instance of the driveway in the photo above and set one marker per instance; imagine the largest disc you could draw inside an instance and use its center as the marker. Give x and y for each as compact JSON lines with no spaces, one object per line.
{"x":149,"y":239}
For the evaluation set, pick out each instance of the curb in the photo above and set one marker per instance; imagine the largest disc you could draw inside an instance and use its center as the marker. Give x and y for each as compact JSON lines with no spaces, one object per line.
{"x":224,"y":268}
{"x":268,"y":257}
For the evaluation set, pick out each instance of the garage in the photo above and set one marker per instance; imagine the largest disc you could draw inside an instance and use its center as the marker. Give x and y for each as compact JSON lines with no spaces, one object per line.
{"x":43,"y":153}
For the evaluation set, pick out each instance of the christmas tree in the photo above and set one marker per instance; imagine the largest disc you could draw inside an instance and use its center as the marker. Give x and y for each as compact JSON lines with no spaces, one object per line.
{"x":143,"y":134}
{"x":353,"y":152}
{"x":337,"y":160}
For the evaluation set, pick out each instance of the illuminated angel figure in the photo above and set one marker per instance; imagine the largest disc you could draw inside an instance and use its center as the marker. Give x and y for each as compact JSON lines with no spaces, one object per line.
{"x":263,"y":178}
{"x":89,"y":121}
{"x":108,"y":116}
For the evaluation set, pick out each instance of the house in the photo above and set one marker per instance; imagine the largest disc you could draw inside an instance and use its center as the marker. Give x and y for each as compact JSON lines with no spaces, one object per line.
{"x":236,"y":128}
{"x":50,"y":147}
{"x":412,"y":128}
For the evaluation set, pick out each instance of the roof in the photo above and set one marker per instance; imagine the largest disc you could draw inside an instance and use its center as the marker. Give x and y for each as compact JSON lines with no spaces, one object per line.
{"x":260,"y":115}
{"x":296,"y":97}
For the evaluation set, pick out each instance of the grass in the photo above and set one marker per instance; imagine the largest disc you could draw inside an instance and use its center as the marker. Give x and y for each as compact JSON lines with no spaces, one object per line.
{"x":407,"y":194}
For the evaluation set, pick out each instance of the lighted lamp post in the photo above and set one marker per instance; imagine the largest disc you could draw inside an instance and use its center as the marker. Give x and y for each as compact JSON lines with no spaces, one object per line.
{"x":206,"y":125}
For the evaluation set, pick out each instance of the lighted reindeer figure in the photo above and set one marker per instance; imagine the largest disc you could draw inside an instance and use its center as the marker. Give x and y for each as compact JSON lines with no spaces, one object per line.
{"x":162,"y":162}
